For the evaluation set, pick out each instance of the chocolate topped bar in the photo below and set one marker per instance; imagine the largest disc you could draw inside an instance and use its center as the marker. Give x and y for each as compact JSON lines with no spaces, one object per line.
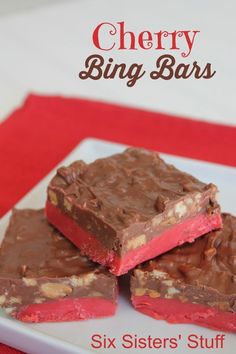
{"x":39,"y":266}
{"x":126,"y":201}
{"x":127,"y":188}
{"x":202,"y":274}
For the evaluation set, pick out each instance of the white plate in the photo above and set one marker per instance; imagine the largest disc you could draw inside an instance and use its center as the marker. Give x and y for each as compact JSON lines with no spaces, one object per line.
{"x":75,"y":337}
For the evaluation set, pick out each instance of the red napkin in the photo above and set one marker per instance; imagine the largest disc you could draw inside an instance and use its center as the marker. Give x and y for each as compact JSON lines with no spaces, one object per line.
{"x":40,"y":134}
{"x":4,"y":349}
{"x":44,"y":130}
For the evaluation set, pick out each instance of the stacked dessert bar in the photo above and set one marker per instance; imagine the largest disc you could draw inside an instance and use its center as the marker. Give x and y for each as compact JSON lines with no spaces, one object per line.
{"x":119,"y":212}
{"x":43,"y":277}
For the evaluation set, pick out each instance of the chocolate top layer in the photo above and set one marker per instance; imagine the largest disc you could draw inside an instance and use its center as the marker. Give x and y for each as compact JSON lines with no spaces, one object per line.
{"x":210,"y":261}
{"x":133,"y":186}
{"x":32,"y":248}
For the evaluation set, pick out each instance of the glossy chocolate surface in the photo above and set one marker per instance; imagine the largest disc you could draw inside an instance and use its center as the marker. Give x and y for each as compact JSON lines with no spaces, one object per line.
{"x":201,"y":272}
{"x":37,"y":264}
{"x":33,"y":248}
{"x":121,"y":195}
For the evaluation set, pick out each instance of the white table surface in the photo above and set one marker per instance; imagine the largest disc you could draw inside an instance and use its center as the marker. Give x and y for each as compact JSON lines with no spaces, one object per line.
{"x":44,"y":47}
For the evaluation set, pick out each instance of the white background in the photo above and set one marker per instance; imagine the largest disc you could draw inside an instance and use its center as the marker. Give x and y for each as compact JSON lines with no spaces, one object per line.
{"x":43,"y":48}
